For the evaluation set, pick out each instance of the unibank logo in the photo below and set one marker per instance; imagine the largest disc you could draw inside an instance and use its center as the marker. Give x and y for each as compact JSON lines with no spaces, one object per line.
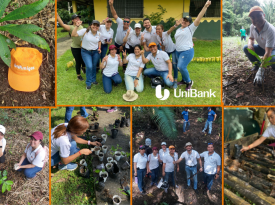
{"x":159,"y":95}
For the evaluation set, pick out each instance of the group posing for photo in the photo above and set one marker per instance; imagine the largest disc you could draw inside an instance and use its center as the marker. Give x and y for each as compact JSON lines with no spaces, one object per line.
{"x":89,"y":47}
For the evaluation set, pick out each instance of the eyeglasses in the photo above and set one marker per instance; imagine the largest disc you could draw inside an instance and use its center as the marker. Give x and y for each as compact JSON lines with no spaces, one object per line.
{"x":126,"y":21}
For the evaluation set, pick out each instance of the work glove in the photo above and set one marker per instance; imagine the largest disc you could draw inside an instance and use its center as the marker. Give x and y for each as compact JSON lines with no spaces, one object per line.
{"x":259,"y":78}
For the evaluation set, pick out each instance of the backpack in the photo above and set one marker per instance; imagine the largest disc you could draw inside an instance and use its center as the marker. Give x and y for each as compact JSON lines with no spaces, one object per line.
{"x":46,"y":149}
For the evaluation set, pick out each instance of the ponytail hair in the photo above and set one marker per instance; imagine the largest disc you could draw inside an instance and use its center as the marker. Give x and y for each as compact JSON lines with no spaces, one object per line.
{"x":76,"y":125}
{"x":42,"y":143}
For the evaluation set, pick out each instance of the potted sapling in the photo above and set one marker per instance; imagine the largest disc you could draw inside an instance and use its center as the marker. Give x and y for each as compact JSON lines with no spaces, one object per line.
{"x":94,"y":138}
{"x":84,"y":171}
{"x":114,"y":132}
{"x":101,"y":156}
{"x":104,"y":137}
{"x":116,"y":199}
{"x":109,"y":167}
{"x":97,"y":150}
{"x":117,"y":123}
{"x":103,"y":174}
{"x":110,"y":159}
{"x":96,"y":125}
{"x":123,"y":121}
{"x":83,"y":163}
{"x":99,"y":139}
{"x":117,"y":155}
{"x":104,"y":149}
{"x":123,"y":154}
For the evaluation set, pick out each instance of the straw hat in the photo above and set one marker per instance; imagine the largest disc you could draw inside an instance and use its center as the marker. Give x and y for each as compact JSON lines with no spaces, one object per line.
{"x":130,"y":96}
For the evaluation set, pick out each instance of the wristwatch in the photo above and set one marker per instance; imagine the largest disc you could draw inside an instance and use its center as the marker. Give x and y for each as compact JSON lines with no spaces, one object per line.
{"x":136,"y":78}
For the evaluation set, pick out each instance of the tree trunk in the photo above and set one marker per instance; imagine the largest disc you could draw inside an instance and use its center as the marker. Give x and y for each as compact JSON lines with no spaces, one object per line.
{"x":258,"y":168}
{"x":250,"y":158}
{"x":260,"y":153}
{"x":234,"y":198}
{"x":263,"y":147}
{"x":257,"y":157}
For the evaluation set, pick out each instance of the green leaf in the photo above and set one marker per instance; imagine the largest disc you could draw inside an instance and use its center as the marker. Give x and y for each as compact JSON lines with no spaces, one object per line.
{"x":254,"y":54}
{"x":8,"y":187}
{"x":97,"y":171}
{"x":5,"y":51}
{"x":9,"y":182}
{"x":5,"y":173}
{"x":3,"y":5}
{"x":1,"y":181}
{"x":9,"y":42}
{"x":25,"y":33}
{"x":4,"y":178}
{"x":25,"y":11}
{"x":4,"y":187}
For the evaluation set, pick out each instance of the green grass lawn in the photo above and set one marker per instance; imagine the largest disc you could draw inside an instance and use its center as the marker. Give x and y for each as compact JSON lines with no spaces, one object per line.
{"x":206,"y":76}
{"x":65,"y":34}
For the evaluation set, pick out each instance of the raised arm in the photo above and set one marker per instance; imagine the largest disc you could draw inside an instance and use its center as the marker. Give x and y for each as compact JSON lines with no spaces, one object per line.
{"x":74,"y":33}
{"x":201,"y":14}
{"x":65,"y":26}
{"x":125,"y":61}
{"x":178,"y":22}
{"x":113,"y":11}
{"x":127,"y":34}
{"x":144,"y":60}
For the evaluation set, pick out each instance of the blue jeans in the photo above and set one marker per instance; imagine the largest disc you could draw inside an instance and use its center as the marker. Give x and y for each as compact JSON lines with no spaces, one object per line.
{"x":90,"y":59}
{"x":141,"y":174}
{"x":129,"y":82}
{"x":107,"y":82}
{"x":174,"y":63}
{"x":152,"y":72}
{"x":260,"y":51}
{"x":154,"y":175}
{"x":184,"y":58}
{"x":29,"y":172}
{"x":69,"y":111}
{"x":168,"y":175}
{"x":208,"y":180}
{"x":191,"y":171}
{"x":186,"y":124}
{"x":55,"y":159}
{"x":208,"y":123}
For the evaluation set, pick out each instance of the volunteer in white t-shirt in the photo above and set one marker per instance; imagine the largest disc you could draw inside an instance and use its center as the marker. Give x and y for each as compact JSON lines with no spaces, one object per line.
{"x":140,"y":164}
{"x":110,"y":65}
{"x":162,"y":64}
{"x":133,"y":74}
{"x":167,"y":45}
{"x":269,"y":132}
{"x":63,"y":143}
{"x":153,"y":166}
{"x":168,"y":166}
{"x":2,"y":144}
{"x":32,"y":161}
{"x":132,"y":38}
{"x":184,"y":45}
{"x":191,"y":157}
{"x":90,"y":49}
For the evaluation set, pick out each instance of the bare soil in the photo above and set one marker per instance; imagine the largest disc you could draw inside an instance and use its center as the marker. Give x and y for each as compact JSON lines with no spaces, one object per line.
{"x":199,"y":141}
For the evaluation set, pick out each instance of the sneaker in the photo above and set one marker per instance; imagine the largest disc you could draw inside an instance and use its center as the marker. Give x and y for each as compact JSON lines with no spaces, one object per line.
{"x":83,"y":70}
{"x":112,"y":110}
{"x":88,"y":87}
{"x":196,"y":191}
{"x":255,"y":68}
{"x":189,"y":85}
{"x":79,"y":77}
{"x":181,"y":82}
{"x":95,"y":83}
{"x":175,"y":85}
{"x":203,"y":131}
{"x":69,"y":167}
{"x":143,"y":192}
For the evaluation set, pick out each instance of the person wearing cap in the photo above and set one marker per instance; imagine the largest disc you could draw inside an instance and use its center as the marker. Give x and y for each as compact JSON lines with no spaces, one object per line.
{"x":110,"y":65}
{"x":75,"y":45}
{"x":162,"y":153}
{"x":186,"y":121}
{"x":162,"y":64}
{"x":211,"y":116}
{"x":140,"y":167}
{"x":132,"y":38}
{"x":212,"y":166}
{"x":64,"y":143}
{"x":3,"y":143}
{"x":122,"y":28}
{"x":153,"y":166}
{"x":167,"y":44}
{"x":191,"y":157}
{"x":184,"y":45}
{"x":90,"y":49}
{"x":32,"y":161}
{"x":133,"y":74}
{"x":243,"y":34}
{"x":263,"y":33}
{"x":168,"y":166}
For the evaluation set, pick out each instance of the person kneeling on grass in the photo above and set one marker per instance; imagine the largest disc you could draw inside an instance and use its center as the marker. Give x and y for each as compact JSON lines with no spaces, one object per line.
{"x":63,"y":143}
{"x":211,"y":117}
{"x":110,"y":65}
{"x":162,"y":63}
{"x":33,"y":159}
{"x":2,"y":144}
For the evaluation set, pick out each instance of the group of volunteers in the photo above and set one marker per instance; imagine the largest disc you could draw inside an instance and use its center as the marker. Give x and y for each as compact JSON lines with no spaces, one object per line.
{"x":166,"y":162}
{"x":89,"y":46}
{"x":35,"y":155}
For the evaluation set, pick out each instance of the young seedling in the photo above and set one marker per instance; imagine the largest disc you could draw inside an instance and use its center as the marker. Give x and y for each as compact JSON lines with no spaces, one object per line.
{"x":107,"y":133}
{"x":6,"y":184}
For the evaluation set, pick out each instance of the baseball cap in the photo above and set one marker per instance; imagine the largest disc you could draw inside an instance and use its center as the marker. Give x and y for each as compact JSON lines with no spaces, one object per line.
{"x":96,"y":22}
{"x":141,"y":147}
{"x":137,"y":25}
{"x":255,"y":8}
{"x":37,"y":135}
{"x":74,"y":16}
{"x":152,"y":44}
{"x":111,"y":47}
{"x":171,"y":146}
{"x":2,"y":129}
{"x":163,"y":143}
{"x":188,"y":144}
{"x":108,"y":19}
{"x":24,"y":69}
{"x":154,"y":148}
{"x":208,"y":108}
{"x":189,"y":18}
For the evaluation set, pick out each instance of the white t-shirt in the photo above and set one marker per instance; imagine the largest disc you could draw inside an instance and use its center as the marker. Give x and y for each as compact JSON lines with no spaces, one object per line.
{"x":3,"y":144}
{"x":190,"y":159}
{"x":211,"y":162}
{"x":35,"y":160}
{"x":133,"y":39}
{"x":140,"y":160}
{"x":162,"y":153}
{"x":270,"y":131}
{"x":61,"y":144}
{"x":150,"y":36}
{"x":133,"y":64}
{"x":169,"y":167}
{"x":120,"y":33}
{"x":89,"y":41}
{"x":160,"y":60}
{"x":183,"y":37}
{"x":104,"y":34}
{"x":167,"y":41}
{"x":111,"y":67}
{"x":153,"y":161}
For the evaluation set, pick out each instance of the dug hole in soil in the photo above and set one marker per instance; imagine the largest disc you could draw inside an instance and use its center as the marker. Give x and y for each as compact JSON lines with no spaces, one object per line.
{"x":36,"y":190}
{"x":238,"y":88}
{"x":199,"y":141}
{"x":45,"y":95}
